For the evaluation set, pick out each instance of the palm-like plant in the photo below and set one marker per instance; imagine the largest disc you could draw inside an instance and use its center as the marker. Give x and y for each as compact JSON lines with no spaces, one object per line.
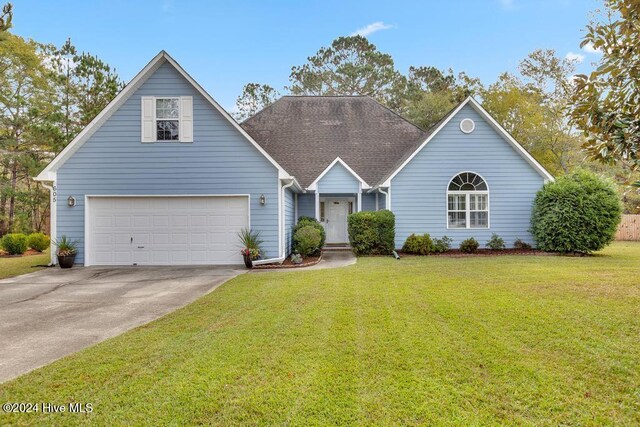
{"x":251,"y":242}
{"x":66,"y":246}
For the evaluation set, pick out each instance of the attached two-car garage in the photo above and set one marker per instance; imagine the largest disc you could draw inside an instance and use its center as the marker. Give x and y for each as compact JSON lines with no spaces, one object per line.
{"x":164,"y":230}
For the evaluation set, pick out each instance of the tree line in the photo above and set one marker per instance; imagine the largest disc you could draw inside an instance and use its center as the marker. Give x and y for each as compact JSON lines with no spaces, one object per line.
{"x":48,"y":94}
{"x":566,"y":121}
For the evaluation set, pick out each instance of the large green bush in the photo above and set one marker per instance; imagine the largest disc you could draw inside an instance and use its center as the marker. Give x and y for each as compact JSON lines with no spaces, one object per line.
{"x":14,"y":243}
{"x":38,"y":241}
{"x":307,"y":240}
{"x":372,"y":232}
{"x":418,"y":244}
{"x":304,"y":221}
{"x":577,"y":213}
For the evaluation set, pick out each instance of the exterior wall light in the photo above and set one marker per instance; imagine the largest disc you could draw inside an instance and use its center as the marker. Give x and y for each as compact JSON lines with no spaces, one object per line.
{"x":71,"y":201}
{"x":263,"y":200}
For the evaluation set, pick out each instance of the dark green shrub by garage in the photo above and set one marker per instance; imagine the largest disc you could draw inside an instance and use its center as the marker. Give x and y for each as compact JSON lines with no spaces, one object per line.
{"x":372,"y":232}
{"x":14,"y":243}
{"x":307,"y":240}
{"x":577,"y":213}
{"x":304,"y":221}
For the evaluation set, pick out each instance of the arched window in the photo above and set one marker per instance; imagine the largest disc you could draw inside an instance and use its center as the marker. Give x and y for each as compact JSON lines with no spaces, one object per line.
{"x":467,"y":201}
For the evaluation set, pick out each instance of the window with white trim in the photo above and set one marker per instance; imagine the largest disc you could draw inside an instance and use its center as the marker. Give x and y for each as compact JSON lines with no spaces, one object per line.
{"x":167,"y":119}
{"x":467,"y":201}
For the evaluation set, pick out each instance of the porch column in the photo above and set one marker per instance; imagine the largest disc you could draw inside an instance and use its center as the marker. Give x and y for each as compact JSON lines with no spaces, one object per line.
{"x":359,"y":197}
{"x":317,"y":205}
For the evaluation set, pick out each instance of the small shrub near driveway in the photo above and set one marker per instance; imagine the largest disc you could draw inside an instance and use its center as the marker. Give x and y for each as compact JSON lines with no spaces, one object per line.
{"x":372,"y":232}
{"x":469,"y":245}
{"x":38,"y":241}
{"x":304,"y":221}
{"x":576,"y":213}
{"x":14,"y":243}
{"x":496,"y":243}
{"x":307,"y":240}
{"x":418,"y":245}
{"x":442,"y":245}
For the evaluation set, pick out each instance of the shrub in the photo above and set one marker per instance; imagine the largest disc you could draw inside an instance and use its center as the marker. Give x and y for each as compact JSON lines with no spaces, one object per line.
{"x":307,"y":240}
{"x":469,"y":245}
{"x":496,"y":243}
{"x":304,"y":221}
{"x":372,"y":232}
{"x":577,"y":213}
{"x":521,"y":244}
{"x":296,"y":258}
{"x":419,"y":245}
{"x":14,"y":243}
{"x":442,"y":245}
{"x":38,"y":241}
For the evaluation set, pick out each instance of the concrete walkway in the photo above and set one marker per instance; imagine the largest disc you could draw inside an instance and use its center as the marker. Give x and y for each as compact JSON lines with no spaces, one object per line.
{"x":53,"y":312}
{"x":330,"y":259}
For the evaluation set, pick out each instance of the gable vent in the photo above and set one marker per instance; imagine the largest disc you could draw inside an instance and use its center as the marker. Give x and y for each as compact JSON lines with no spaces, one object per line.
{"x":467,"y":125}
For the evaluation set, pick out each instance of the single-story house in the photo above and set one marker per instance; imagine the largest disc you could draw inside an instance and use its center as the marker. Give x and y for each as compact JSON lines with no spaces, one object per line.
{"x":165,"y":176}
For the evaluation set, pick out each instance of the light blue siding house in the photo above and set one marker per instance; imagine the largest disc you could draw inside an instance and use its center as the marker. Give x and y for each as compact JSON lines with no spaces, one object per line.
{"x":164,"y":176}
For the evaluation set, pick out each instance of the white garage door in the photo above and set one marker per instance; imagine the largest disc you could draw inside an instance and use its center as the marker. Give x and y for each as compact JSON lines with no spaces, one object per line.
{"x":165,"y":230}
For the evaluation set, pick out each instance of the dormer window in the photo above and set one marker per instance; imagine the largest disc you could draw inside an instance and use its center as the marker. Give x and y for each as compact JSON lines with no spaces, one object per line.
{"x":167,"y":119}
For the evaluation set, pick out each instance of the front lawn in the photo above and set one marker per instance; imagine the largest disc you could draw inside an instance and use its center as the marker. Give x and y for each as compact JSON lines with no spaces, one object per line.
{"x":15,"y":266}
{"x":525,"y":340}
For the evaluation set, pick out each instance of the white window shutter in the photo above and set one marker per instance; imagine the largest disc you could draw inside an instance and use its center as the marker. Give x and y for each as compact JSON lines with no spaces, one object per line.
{"x":186,"y":119}
{"x":148,"y":119}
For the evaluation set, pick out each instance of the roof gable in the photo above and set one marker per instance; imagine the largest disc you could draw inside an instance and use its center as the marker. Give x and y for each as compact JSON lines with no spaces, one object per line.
{"x":49,"y":172}
{"x":490,"y":120}
{"x":338,"y":162}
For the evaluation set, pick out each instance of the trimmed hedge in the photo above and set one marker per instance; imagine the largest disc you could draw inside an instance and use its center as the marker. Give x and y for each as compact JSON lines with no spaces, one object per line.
{"x":38,"y":241}
{"x":372,"y":232}
{"x":304,"y":221}
{"x":14,"y":243}
{"x":418,"y":245}
{"x":577,"y":213}
{"x":307,"y":240}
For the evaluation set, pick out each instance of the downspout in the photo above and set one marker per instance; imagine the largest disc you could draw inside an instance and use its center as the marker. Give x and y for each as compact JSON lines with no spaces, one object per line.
{"x":387,"y":201}
{"x":283,"y":255}
{"x":53,"y":210}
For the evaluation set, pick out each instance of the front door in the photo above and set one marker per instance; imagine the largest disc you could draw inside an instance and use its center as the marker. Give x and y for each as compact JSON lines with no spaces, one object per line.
{"x":336,"y":220}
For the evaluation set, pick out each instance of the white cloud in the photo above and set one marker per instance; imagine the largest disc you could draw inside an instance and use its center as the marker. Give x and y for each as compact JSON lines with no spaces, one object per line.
{"x":507,"y":4}
{"x":590,"y":49}
{"x":575,"y":57}
{"x":371,"y":28}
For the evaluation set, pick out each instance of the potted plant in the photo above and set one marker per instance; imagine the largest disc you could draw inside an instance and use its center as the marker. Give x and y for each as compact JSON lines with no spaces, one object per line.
{"x":251,"y":243}
{"x":66,"y":252}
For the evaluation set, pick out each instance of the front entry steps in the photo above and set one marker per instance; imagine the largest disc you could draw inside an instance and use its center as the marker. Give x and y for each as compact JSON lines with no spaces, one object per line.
{"x":336,"y":247}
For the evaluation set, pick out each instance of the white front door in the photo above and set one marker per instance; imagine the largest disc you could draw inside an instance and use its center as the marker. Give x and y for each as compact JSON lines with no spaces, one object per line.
{"x":336,"y":212}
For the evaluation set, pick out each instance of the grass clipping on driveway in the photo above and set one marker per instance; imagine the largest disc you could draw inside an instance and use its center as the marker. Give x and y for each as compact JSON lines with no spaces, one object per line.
{"x":514,"y":339}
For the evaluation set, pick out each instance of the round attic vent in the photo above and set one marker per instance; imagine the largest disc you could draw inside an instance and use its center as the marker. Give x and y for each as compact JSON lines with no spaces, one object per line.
{"x":467,"y":125}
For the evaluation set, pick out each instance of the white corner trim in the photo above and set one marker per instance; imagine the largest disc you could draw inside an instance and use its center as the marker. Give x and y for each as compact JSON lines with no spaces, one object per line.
{"x":494,"y":124}
{"x":124,"y":94}
{"x":314,"y":184}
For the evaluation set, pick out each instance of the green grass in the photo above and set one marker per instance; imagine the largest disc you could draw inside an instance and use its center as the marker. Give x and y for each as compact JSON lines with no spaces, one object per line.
{"x":524,"y":340}
{"x":10,"y":266}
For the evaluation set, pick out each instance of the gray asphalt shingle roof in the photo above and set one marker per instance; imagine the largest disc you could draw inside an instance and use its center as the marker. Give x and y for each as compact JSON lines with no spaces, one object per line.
{"x":304,"y":134}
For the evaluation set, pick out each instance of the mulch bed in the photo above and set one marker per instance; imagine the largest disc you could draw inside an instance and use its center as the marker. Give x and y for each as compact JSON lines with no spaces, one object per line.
{"x":456,"y":253}
{"x":306,"y":262}
{"x":29,"y":252}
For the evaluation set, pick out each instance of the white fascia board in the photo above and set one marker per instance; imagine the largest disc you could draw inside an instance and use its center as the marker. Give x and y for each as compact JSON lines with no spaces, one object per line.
{"x":493,"y":123}
{"x":314,"y":184}
{"x":124,"y":94}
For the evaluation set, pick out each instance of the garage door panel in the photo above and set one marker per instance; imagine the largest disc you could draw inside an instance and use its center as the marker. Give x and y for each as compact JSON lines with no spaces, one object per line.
{"x":166,"y":230}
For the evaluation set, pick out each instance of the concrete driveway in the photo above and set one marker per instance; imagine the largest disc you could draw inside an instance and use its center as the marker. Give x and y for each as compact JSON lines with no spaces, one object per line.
{"x":53,"y":312}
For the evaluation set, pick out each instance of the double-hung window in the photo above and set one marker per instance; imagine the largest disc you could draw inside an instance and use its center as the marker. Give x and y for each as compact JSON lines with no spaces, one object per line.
{"x":467,"y":201}
{"x":167,"y":119}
